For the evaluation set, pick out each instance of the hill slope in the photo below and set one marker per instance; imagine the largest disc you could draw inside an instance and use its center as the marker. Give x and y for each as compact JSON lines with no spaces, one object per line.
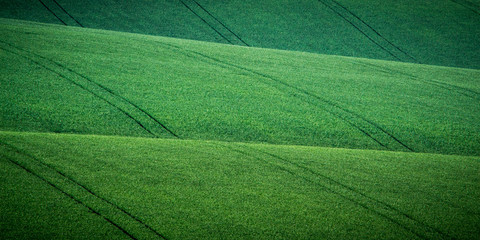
{"x":430,"y":32}
{"x":151,"y":94}
{"x":63,"y":79}
{"x":179,"y":189}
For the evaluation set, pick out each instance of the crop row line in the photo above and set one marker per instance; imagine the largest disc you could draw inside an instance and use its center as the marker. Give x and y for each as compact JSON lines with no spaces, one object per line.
{"x":368,"y":31}
{"x":213,"y":22}
{"x":101,"y":206}
{"x":369,"y":128}
{"x":140,"y":116}
{"x":329,"y":184}
{"x":63,"y":9}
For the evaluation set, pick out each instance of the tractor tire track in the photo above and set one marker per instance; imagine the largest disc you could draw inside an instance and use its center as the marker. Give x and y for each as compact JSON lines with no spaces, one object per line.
{"x":468,"y":5}
{"x":82,"y":87}
{"x":50,"y":10}
{"x":114,"y":97}
{"x":65,"y":11}
{"x":375,"y":31}
{"x":221,"y":23}
{"x":86,"y":189}
{"x":205,"y":21}
{"x":368,"y":128}
{"x":70,"y":196}
{"x":447,"y":86}
{"x":369,"y":203}
{"x":359,"y":22}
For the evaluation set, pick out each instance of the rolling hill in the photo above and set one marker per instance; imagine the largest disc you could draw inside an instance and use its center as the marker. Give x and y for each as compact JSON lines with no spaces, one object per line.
{"x":109,"y":134}
{"x":84,"y":186}
{"x":430,"y":32}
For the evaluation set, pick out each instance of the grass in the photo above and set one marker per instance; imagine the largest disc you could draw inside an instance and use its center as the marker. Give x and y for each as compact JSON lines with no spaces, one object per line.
{"x":217,"y":190}
{"x":117,"y":135}
{"x":201,"y":90}
{"x":440,"y":33}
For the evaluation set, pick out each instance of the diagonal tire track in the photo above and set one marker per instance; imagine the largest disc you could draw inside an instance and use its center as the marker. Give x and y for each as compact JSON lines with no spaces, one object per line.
{"x":221,"y":23}
{"x":210,"y":20}
{"x":65,"y":11}
{"x":69,"y":196}
{"x":386,"y":210}
{"x":82,"y":87}
{"x":369,"y":128}
{"x":119,"y":209}
{"x":450,"y":87}
{"x":205,"y":21}
{"x":50,"y":10}
{"x":364,"y":28}
{"x":468,"y":5}
{"x":109,"y":96}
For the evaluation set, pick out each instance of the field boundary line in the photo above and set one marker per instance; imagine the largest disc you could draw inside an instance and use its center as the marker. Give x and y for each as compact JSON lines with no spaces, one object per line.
{"x":84,"y":188}
{"x":50,"y":10}
{"x":114,"y":97}
{"x":336,"y":110}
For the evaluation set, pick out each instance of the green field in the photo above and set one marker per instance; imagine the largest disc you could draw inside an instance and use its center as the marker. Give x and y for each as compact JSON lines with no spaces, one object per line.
{"x":442,"y":32}
{"x":263,"y":129}
{"x":184,"y":189}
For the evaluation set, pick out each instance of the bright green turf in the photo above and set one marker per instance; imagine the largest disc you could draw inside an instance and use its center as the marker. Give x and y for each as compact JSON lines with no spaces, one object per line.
{"x":212,"y":91}
{"x":186,"y":189}
{"x":442,"y":32}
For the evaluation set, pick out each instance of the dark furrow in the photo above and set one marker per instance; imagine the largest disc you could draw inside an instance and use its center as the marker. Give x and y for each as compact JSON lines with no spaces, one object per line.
{"x":375,"y":31}
{"x":451,"y":87}
{"x":55,"y":1}
{"x":196,"y":14}
{"x":468,"y":5}
{"x":52,"y":12}
{"x":216,"y":19}
{"x":119,"y":96}
{"x":71,"y":197}
{"x":332,"y":104}
{"x":358,"y":29}
{"x":324,"y":187}
{"x":351,"y":189}
{"x":138,"y":220}
{"x":102,"y":87}
{"x":85,"y":89}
